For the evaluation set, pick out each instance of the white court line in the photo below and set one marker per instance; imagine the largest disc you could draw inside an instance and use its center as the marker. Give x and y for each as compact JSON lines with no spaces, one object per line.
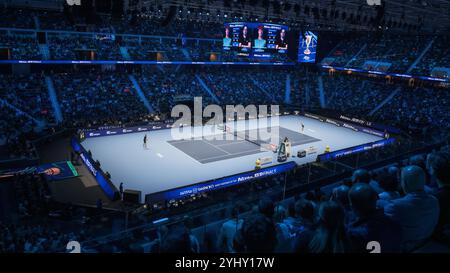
{"x":311,"y":130}
{"x":232,"y":143}
{"x":215,"y":147}
{"x":180,"y":140}
{"x":197,"y":138}
{"x":220,"y":156}
{"x":160,"y":155}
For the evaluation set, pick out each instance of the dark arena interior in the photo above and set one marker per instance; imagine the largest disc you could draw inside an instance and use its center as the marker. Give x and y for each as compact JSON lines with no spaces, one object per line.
{"x":224,"y":126}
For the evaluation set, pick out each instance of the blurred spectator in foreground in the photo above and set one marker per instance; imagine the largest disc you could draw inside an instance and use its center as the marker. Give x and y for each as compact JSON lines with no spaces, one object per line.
{"x":329,"y":236}
{"x":371,"y":224}
{"x":417,"y":212}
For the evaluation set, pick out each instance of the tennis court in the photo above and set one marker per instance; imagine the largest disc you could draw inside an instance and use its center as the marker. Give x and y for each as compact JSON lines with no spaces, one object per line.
{"x":242,"y":143}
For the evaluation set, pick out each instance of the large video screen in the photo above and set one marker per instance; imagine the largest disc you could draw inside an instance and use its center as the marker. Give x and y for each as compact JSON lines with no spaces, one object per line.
{"x":256,"y":41}
{"x":307,"y":47}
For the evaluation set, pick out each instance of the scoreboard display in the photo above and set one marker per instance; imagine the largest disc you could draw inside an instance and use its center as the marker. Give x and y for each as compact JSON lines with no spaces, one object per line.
{"x":258,"y":41}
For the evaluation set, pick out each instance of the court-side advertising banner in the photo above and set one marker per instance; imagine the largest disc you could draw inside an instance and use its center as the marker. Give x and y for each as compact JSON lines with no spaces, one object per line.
{"x":103,"y":182}
{"x":219,"y":183}
{"x":121,"y":131}
{"x":351,"y":126}
{"x":354,"y":150}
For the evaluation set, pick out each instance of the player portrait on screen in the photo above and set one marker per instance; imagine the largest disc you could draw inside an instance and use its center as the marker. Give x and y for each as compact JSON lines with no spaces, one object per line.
{"x":244,"y":39}
{"x":227,"y":40}
{"x":260,"y":42}
{"x":281,"y":42}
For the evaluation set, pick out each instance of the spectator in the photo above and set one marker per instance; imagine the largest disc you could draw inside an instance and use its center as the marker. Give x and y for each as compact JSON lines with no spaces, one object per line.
{"x":417,"y":212}
{"x":258,"y":235}
{"x":329,"y":236}
{"x":304,"y":211}
{"x":282,"y":230}
{"x":178,"y":240}
{"x":389,"y":185}
{"x":363,"y":176}
{"x":371,"y":224}
{"x":229,"y":229}
{"x":291,"y":218}
{"x":266,"y":207}
{"x":340,"y":195}
{"x":438,"y":165}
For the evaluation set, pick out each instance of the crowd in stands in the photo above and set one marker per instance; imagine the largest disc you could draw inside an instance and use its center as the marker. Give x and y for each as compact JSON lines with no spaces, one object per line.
{"x":383,"y":52}
{"x":168,"y":87}
{"x":21,"y":47}
{"x":351,"y":95}
{"x":152,"y":25}
{"x":25,"y":110}
{"x":75,"y":48}
{"x":8,"y":18}
{"x":416,"y":109}
{"x":15,"y":131}
{"x":155,"y":50}
{"x":28,"y":93}
{"x":393,"y":54}
{"x":235,"y":87}
{"x":400,"y":53}
{"x":109,"y":97}
{"x":437,"y":56}
{"x":305,"y":88}
{"x":344,"y":52}
{"x":30,"y":202}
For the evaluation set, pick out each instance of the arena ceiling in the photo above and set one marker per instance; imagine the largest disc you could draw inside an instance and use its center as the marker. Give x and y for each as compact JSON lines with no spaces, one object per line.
{"x":404,"y":15}
{"x":422,"y":16}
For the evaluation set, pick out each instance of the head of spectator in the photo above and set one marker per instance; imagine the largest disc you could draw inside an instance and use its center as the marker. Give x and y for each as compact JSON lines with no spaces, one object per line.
{"x":361,"y":176}
{"x":438,"y":166}
{"x":340,"y":195}
{"x":178,"y":240}
{"x":258,"y":235}
{"x":291,"y":209}
{"x":237,"y":209}
{"x":413,"y":179}
{"x":330,"y":233}
{"x":266,"y":207}
{"x":311,"y":196}
{"x":304,"y":209}
{"x":363,"y":199}
{"x":388,"y":182}
{"x":280,"y":214}
{"x":394,"y":171}
{"x":417,"y":160}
